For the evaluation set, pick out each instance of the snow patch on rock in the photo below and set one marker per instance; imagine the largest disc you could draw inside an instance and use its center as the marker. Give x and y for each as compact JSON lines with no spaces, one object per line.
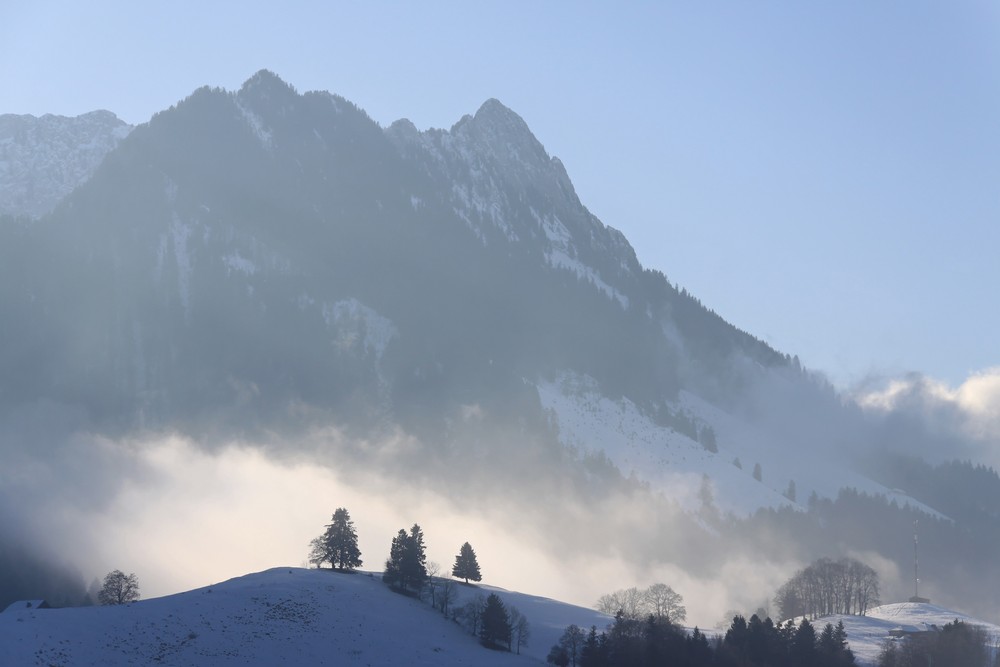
{"x":256,"y":125}
{"x":235,"y":262}
{"x":356,"y":322}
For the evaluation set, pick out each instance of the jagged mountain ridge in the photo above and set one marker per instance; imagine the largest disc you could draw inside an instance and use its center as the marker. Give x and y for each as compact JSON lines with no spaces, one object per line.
{"x":43,"y":159}
{"x":486,"y":221}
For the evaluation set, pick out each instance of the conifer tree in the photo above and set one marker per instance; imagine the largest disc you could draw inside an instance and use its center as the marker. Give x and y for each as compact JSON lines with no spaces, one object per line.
{"x":416,"y":558}
{"x":803,"y":647}
{"x":466,"y":566}
{"x":495,"y":627}
{"x":393,"y":574}
{"x":407,"y":564}
{"x":338,"y":545}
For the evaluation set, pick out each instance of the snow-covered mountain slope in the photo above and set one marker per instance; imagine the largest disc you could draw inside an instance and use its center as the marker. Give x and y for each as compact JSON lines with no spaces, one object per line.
{"x":42,"y":159}
{"x":498,"y":178}
{"x":866,"y":635}
{"x":685,"y":469}
{"x":282,"y":616}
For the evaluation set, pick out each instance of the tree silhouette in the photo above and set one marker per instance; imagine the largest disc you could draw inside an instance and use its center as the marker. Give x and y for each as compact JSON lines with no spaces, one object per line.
{"x":338,"y":545}
{"x":466,"y":566}
{"x":494,"y":629}
{"x":407,"y":565}
{"x":119,"y":588}
{"x":664,"y":601}
{"x":520,"y":630}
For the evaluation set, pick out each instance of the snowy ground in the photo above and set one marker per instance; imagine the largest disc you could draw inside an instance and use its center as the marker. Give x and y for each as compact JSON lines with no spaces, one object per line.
{"x":283,"y":616}
{"x":675,"y":464}
{"x":867,"y":634}
{"x":294,"y":616}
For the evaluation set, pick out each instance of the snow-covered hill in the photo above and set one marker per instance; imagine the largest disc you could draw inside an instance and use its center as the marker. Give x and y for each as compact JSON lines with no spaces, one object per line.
{"x":282,"y":616}
{"x":295,"y":616}
{"x":42,"y":159}
{"x":868,"y":634}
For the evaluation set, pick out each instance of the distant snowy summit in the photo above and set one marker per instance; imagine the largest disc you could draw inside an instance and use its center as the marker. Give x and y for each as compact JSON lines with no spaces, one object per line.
{"x":43,"y":159}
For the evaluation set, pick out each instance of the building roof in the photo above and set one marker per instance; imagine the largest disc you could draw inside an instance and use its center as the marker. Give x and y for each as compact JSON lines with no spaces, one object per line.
{"x":21,"y":605}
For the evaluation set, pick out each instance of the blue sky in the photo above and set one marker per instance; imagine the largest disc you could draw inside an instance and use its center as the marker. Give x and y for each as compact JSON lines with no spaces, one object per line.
{"x":825,"y":175}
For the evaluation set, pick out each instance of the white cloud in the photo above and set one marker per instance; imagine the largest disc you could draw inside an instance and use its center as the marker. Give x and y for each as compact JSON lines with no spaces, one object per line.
{"x":972,"y":409}
{"x":979,"y":397}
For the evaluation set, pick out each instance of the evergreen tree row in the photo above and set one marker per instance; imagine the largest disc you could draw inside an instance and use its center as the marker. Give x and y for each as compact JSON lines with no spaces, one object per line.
{"x":957,"y":643}
{"x":406,"y":568}
{"x":408,"y":572}
{"x":657,"y":641}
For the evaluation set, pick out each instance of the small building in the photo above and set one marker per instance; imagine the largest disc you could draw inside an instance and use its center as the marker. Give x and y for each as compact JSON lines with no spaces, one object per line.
{"x":22,"y":605}
{"x":909,"y":630}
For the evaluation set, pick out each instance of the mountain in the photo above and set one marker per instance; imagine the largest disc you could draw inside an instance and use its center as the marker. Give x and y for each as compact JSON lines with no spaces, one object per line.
{"x":241,"y":236}
{"x":43,"y":159}
{"x":272,"y":266}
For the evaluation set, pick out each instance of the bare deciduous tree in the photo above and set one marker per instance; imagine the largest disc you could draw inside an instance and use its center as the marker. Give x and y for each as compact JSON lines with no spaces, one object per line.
{"x":663,"y":601}
{"x":629,"y":601}
{"x":119,"y":588}
{"x":845,"y":586}
{"x":520,"y":631}
{"x":658,"y":600}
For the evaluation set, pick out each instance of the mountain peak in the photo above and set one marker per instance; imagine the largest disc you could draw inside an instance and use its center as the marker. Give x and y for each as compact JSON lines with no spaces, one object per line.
{"x":264,"y":77}
{"x":265,"y":83}
{"x":494,"y":113}
{"x":494,"y":106}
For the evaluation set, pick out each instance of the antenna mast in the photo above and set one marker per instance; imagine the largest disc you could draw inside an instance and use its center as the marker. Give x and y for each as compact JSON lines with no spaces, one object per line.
{"x":916,"y":570}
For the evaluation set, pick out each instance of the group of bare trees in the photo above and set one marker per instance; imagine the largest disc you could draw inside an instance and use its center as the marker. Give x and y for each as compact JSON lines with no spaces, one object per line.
{"x":658,"y":600}
{"x":845,"y":586}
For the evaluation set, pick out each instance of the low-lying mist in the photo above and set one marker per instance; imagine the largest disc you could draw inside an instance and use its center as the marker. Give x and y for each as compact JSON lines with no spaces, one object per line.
{"x":182,"y":514}
{"x":183,"y":511}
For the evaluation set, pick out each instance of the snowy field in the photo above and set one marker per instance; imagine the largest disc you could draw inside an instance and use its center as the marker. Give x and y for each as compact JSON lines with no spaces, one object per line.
{"x":294,"y":616}
{"x":867,"y":634}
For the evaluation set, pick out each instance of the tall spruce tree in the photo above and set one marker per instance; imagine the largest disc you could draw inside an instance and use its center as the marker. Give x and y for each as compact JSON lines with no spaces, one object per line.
{"x":466,"y":566}
{"x":406,"y":568}
{"x":338,"y":545}
{"x":393,"y":574}
{"x":494,"y":629}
